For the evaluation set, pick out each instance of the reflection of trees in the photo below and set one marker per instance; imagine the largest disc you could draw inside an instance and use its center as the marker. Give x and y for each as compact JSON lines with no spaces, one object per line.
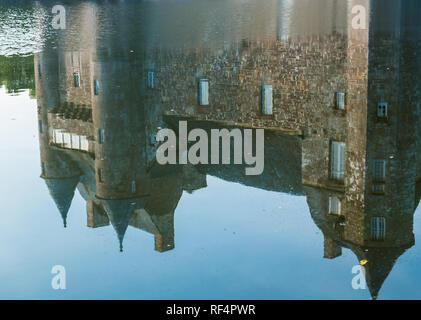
{"x":17,"y":73}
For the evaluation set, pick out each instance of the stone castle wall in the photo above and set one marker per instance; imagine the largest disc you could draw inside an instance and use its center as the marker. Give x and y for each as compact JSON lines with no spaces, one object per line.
{"x":305,"y":74}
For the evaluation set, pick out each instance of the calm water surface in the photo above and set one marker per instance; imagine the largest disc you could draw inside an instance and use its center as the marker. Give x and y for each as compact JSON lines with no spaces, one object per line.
{"x":81,"y":107}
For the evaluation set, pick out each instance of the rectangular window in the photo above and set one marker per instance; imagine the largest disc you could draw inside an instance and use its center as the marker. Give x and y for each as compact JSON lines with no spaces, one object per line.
{"x":267,"y":99}
{"x":133,"y":186}
{"x":101,"y":136}
{"x":96,"y":87}
{"x":378,"y":229}
{"x":84,"y":143}
{"x":151,"y":80}
{"x":340,"y":100}
{"x":76,"y":79}
{"x":378,"y":188}
{"x":43,"y":168}
{"x":204,"y":92}
{"x":67,"y":140}
{"x":71,"y":139}
{"x":382,"y":111}
{"x":335,"y":206}
{"x":58,"y":137}
{"x":75,"y":141}
{"x":39,"y":70}
{"x":41,"y":128}
{"x":379,"y":170}
{"x":337,"y":161}
{"x":100,"y":175}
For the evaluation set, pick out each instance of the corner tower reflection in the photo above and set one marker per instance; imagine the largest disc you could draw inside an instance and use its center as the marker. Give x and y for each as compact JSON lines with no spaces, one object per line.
{"x":342,"y":129}
{"x":89,"y":143}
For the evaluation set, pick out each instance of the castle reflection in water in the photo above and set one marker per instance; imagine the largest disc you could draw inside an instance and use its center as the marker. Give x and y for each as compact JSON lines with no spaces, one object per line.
{"x":342,"y":129}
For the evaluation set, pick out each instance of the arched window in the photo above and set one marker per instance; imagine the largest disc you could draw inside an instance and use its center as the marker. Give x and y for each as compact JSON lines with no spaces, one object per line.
{"x":76,"y":79}
{"x":267,"y":99}
{"x":337,"y":161}
{"x":335,"y":206}
{"x":204,"y":92}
